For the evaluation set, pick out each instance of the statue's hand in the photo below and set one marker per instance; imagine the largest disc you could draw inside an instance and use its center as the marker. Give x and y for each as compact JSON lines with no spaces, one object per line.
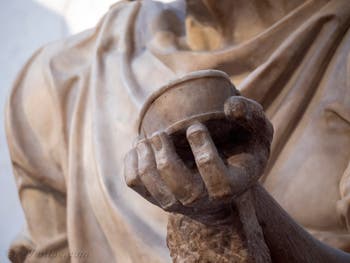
{"x":155,"y":171}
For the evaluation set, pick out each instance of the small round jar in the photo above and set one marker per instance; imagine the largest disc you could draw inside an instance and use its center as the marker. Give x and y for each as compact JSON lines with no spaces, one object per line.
{"x":197,"y":97}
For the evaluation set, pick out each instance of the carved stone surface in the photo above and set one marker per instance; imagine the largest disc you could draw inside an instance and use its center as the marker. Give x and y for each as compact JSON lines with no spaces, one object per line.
{"x":192,"y":241}
{"x":239,"y":237}
{"x":72,"y":125}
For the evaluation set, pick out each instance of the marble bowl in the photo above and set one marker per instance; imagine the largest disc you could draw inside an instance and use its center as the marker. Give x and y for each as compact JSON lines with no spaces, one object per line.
{"x":198,"y":96}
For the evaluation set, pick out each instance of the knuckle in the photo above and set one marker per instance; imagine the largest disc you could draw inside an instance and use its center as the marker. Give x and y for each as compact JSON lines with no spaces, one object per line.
{"x":130,"y":169}
{"x":165,"y":198}
{"x":164,"y":165}
{"x":193,"y":196}
{"x":131,"y":181}
{"x":206,"y":158}
{"x":131,"y":178}
{"x":168,"y":163}
{"x":146,"y":169}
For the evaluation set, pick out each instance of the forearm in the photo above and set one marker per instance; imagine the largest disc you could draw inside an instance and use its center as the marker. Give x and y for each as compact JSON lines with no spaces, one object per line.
{"x":287,"y":240}
{"x":192,"y":241}
{"x":231,"y":234}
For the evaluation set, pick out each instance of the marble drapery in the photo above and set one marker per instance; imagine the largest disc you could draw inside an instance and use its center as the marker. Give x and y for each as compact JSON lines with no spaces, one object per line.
{"x":73,"y":114}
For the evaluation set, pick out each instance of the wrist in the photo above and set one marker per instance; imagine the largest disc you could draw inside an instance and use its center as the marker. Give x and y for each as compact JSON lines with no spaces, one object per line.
{"x":222,"y":215}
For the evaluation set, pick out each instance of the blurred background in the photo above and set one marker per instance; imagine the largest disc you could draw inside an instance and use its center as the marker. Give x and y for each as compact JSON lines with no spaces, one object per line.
{"x":26,"y":25}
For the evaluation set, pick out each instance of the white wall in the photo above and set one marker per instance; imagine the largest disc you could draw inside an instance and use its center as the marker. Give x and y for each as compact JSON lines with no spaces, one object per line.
{"x":25,"y":25}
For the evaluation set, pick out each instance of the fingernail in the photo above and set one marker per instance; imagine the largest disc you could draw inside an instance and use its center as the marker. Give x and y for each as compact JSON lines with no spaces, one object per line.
{"x":196,"y":134}
{"x":156,"y":141}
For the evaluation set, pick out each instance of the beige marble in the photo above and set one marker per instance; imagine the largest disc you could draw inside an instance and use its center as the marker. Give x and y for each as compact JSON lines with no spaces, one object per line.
{"x":74,"y":110}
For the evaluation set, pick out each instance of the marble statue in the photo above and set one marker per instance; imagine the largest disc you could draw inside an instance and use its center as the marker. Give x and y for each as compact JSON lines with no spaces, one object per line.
{"x":193,"y":131}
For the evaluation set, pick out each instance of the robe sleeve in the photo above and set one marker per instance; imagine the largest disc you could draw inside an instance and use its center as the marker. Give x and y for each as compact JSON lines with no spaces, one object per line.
{"x":34,"y":134}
